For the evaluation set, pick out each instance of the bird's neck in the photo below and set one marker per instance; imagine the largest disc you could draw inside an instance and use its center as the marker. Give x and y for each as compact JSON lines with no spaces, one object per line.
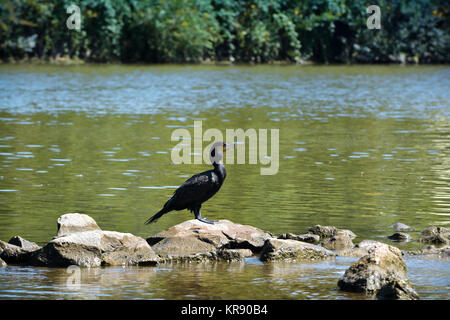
{"x":219,"y":168}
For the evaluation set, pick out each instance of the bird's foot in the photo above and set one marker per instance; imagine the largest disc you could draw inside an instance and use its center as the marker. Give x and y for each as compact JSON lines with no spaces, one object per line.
{"x":206,"y":220}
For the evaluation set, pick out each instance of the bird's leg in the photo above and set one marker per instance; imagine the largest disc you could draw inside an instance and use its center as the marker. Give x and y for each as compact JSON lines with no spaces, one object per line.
{"x":199,"y":217}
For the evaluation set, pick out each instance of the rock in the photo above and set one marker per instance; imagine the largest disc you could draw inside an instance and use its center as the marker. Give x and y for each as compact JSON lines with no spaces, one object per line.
{"x":328,"y":231}
{"x":401,"y":227}
{"x":3,"y":263}
{"x":340,"y":241}
{"x":75,"y":222}
{"x":359,"y":250}
{"x":323,"y":231}
{"x":95,"y":248}
{"x":400,"y":237}
{"x":23,"y":243}
{"x":307,"y":237}
{"x":280,"y":249}
{"x":193,"y":236}
{"x":445,"y":251}
{"x":227,"y":255}
{"x":435,"y":235}
{"x":290,"y":236}
{"x":381,"y":272}
{"x":182,"y":246}
{"x":13,"y":254}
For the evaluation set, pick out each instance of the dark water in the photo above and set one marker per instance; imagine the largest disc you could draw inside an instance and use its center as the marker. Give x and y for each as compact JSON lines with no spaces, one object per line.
{"x":361,"y":148}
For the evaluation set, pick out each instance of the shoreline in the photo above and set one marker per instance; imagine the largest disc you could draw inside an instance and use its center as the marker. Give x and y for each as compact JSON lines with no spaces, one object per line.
{"x":76,"y":61}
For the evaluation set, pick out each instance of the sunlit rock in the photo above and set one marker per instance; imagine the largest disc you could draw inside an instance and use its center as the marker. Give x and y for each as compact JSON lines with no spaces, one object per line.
{"x":293,"y":250}
{"x":381,"y":272}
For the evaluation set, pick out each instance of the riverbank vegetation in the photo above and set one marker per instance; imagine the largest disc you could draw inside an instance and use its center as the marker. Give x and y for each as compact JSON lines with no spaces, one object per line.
{"x":260,"y":31}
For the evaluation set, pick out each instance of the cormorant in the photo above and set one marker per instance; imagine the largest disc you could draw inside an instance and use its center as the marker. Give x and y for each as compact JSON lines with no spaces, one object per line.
{"x":199,"y":188}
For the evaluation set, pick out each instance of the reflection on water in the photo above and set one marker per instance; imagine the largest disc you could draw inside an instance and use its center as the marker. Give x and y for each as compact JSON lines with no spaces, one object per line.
{"x":252,"y":280}
{"x":361,"y":148}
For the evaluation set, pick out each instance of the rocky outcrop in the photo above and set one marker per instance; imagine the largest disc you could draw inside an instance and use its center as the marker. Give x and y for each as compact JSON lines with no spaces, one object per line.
{"x":92,"y":247}
{"x":3,"y":263}
{"x":290,"y":250}
{"x":381,"y":272}
{"x":195,"y":237}
{"x":435,"y":235}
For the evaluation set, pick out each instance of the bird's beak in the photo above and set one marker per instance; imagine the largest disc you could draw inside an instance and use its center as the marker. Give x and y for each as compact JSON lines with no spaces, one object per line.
{"x":227,"y":146}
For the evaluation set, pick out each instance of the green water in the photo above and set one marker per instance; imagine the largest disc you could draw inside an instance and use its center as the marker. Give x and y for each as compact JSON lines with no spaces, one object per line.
{"x":361,"y":148}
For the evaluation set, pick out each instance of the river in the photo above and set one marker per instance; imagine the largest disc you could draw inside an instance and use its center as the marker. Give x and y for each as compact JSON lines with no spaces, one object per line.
{"x":360,"y":148}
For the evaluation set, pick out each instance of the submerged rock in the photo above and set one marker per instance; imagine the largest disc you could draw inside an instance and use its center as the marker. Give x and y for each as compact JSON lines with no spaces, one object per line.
{"x":281,"y":249}
{"x":381,"y":272}
{"x":401,"y":227}
{"x":193,"y":237}
{"x":435,"y":235}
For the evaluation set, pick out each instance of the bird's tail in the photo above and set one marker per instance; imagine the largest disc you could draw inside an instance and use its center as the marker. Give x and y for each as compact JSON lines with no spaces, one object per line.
{"x":156,"y":216}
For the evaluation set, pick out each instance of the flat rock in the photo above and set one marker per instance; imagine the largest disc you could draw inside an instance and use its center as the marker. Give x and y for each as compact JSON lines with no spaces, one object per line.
{"x":193,"y":236}
{"x":75,"y":222}
{"x":95,"y":248}
{"x":281,"y":249}
{"x":381,"y":272}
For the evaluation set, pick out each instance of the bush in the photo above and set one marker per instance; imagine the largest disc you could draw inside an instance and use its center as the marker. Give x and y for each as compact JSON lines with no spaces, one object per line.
{"x":249,"y":31}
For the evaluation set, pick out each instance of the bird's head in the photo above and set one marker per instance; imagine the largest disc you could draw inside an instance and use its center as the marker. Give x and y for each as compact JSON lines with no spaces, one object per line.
{"x":217,"y":151}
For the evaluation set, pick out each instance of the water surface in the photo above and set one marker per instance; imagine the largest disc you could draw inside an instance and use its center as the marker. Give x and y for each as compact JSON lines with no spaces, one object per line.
{"x":361,"y":148}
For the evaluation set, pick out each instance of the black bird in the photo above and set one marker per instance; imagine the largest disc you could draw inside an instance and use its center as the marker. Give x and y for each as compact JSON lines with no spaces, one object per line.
{"x":199,"y":188}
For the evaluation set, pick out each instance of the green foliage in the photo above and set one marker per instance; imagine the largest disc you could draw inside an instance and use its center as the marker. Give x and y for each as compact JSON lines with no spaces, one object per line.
{"x":236,"y":30}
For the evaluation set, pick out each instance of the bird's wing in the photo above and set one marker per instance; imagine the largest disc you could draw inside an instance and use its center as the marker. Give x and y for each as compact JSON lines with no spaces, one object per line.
{"x":197,"y":188}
